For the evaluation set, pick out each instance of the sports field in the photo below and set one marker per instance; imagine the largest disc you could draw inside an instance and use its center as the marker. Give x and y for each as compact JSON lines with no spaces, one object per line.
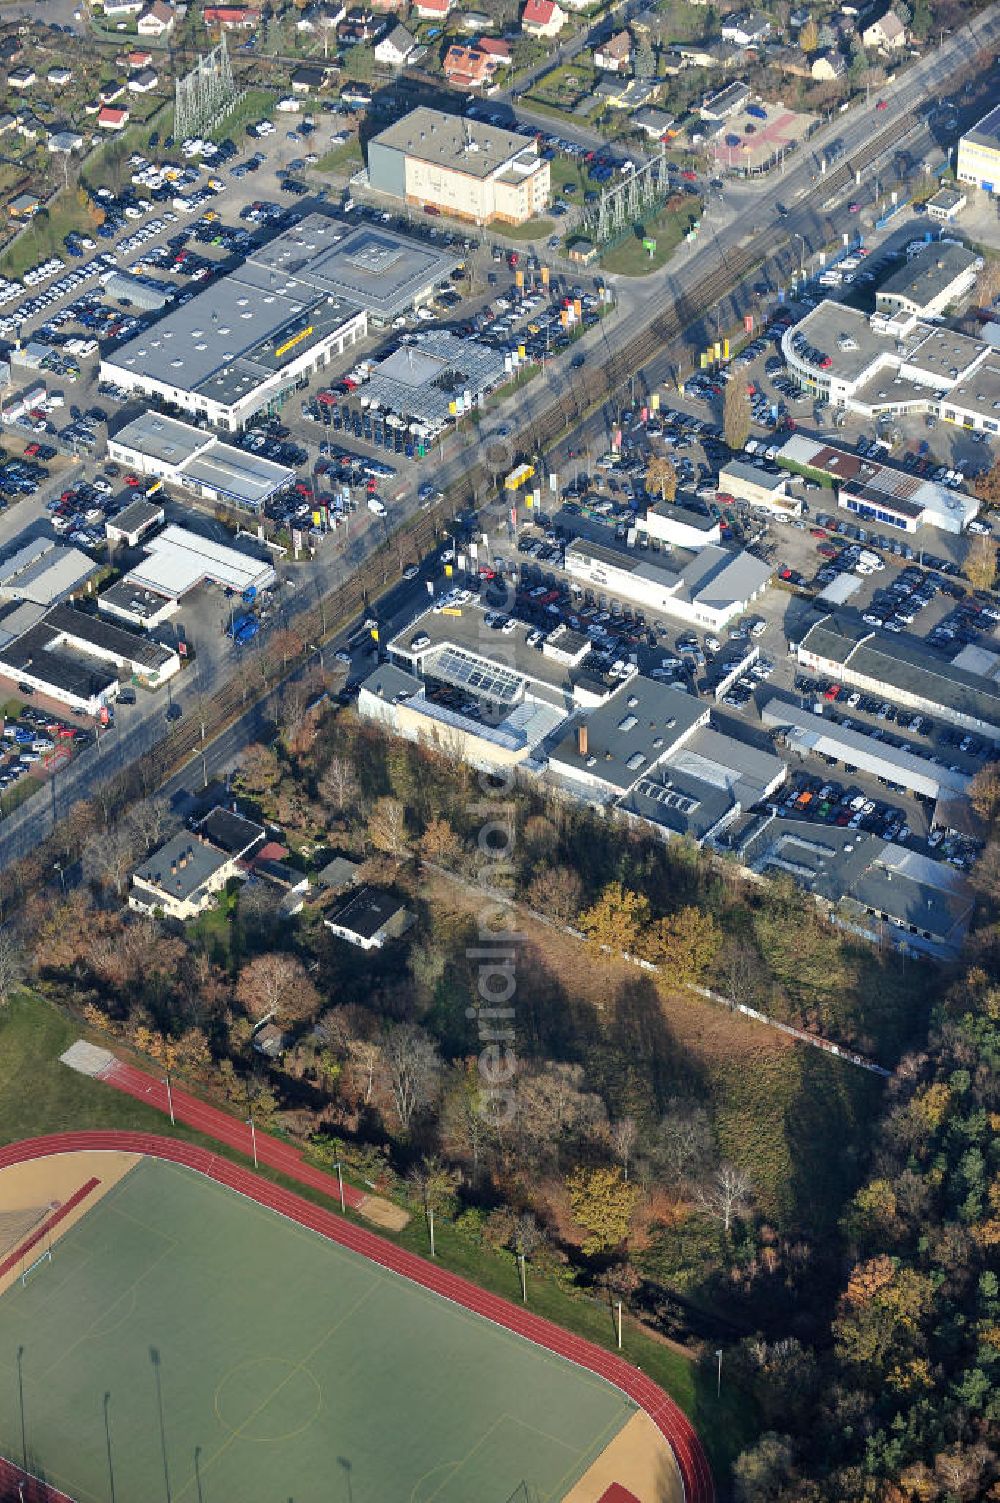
{"x":185,"y":1344}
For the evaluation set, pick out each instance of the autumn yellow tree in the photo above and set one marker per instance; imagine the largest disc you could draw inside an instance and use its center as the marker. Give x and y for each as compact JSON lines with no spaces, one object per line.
{"x":684,"y":944}
{"x":617,"y":921}
{"x":981,"y":563}
{"x":809,"y":36}
{"x":603,"y":1203}
{"x":661,"y":477}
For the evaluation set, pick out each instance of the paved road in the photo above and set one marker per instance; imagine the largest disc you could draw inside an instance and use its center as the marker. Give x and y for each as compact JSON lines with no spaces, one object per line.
{"x":638,"y":302}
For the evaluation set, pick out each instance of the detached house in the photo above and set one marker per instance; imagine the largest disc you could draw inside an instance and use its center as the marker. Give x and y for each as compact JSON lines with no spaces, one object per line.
{"x":182,"y":878}
{"x":887,"y":34}
{"x":396,"y":49}
{"x":747,"y":28}
{"x":231,"y":17}
{"x":829,"y":66}
{"x":432,"y":10}
{"x":21,"y":79}
{"x":542,"y":18}
{"x":470,"y":67}
{"x":157,"y":21}
{"x":615,"y":55}
{"x":112,"y":117}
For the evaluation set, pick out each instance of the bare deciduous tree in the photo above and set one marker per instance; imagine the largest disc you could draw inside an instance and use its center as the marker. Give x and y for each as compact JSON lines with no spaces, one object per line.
{"x":11,"y":964}
{"x":623,"y":1137}
{"x":387,"y":828}
{"x":726,"y":1194}
{"x":338,"y":787}
{"x":277,"y":985}
{"x":413,"y":1069}
{"x":684,"y":1146}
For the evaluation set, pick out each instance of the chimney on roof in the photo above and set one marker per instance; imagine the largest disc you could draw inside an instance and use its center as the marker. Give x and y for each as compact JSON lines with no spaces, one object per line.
{"x":581,"y":738}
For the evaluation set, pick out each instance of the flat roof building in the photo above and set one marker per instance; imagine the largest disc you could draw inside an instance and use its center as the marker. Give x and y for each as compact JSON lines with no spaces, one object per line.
{"x":885,"y":893}
{"x":82,"y":660}
{"x":133,"y":522}
{"x":177,"y":561}
{"x":877,"y":364}
{"x":879,"y":492}
{"x":901,"y":668}
{"x":707,"y":588}
{"x":194,"y":460}
{"x":931,"y":280}
{"x":978,"y":160}
{"x":459,"y":167}
{"x":604,"y":754}
{"x":703,"y":785}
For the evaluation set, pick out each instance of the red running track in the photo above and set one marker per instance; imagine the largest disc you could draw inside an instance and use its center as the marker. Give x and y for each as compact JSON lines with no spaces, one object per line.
{"x":226,"y":1129}
{"x":673,"y":1424}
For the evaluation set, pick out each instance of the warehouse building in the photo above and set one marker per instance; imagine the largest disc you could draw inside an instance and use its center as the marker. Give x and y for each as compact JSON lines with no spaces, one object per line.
{"x":877,"y":492}
{"x":703,"y":786}
{"x":757,"y":486}
{"x":813,"y":735}
{"x":82,"y":661}
{"x":434,"y":375}
{"x":978,"y":159}
{"x":937,"y":276}
{"x":44,"y":572}
{"x":707,"y":588}
{"x":459,"y":167}
{"x":885,"y":893}
{"x":903,"y":669}
{"x":178,"y":561}
{"x":294,"y":306}
{"x":607,"y":752}
{"x":876,"y":365}
{"x":195,"y":461}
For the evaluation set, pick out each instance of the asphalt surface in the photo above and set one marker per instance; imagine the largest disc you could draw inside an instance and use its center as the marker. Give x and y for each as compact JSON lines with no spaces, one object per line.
{"x":798,"y":189}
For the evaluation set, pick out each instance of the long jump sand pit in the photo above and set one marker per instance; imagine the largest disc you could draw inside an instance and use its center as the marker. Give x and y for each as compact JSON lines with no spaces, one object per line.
{"x":638,"y":1459}
{"x":41,"y":1199}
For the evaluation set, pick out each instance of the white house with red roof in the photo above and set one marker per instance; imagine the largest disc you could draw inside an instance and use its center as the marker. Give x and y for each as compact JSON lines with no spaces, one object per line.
{"x":542,"y":18}
{"x":112,"y":117}
{"x":432,"y":10}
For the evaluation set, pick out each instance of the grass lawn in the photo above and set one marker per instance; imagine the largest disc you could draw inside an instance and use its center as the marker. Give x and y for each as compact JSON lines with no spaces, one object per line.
{"x":149,"y":1303}
{"x":40,"y":1095}
{"x":343,"y":158}
{"x":532,"y":229}
{"x":44,"y":237}
{"x":21,"y":791}
{"x":667,"y":228}
{"x":256,"y":104}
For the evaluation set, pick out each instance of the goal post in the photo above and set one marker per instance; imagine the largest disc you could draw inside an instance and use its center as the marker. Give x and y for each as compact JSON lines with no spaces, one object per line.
{"x":43,"y":1257}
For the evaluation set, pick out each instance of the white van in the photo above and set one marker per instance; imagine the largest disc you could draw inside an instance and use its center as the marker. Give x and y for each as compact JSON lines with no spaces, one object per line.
{"x":376,"y":506}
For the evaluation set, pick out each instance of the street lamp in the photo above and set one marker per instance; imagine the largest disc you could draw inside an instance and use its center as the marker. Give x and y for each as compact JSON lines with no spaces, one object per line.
{"x":802,"y":253}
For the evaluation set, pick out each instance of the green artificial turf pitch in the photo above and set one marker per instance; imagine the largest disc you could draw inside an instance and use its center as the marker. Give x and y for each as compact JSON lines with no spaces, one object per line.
{"x":187,"y":1345}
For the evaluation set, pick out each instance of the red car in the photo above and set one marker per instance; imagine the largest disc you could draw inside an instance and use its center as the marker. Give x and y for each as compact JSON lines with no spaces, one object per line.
{"x":31,"y":451}
{"x":132,"y":481}
{"x":689,"y":176}
{"x":832,"y":692}
{"x":881,"y":105}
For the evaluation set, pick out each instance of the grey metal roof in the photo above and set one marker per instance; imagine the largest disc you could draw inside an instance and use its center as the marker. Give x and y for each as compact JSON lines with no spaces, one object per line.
{"x":631,"y":733}
{"x":929,"y":273}
{"x":369,"y":266}
{"x":181,"y":867}
{"x":813,"y":733}
{"x":986,"y":132}
{"x":900,"y":661}
{"x":136,"y":517}
{"x":162,"y":438}
{"x":450,"y":141}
